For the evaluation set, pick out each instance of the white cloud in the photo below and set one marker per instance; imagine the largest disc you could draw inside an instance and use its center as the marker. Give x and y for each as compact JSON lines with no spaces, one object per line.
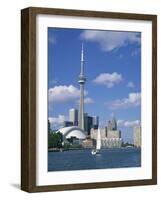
{"x":133,"y":99}
{"x":63,"y":93}
{"x":130,"y":84}
{"x":57,"y":122}
{"x":88,"y":100}
{"x":110,"y":40}
{"x":127,"y":124}
{"x":109,"y":80}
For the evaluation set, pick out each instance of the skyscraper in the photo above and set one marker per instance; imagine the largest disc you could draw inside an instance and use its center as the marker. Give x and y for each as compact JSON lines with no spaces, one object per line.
{"x":82,"y":80}
{"x":109,"y":126}
{"x":88,"y":123}
{"x":137,"y":136}
{"x":95,"y":121}
{"x":113,"y":122}
{"x":73,"y":116}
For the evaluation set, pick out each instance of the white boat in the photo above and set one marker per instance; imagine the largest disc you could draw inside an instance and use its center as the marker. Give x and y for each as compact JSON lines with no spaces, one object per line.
{"x":98,"y":144}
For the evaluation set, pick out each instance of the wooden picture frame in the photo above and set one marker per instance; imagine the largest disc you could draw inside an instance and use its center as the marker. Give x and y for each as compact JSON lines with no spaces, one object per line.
{"x":28,"y":98}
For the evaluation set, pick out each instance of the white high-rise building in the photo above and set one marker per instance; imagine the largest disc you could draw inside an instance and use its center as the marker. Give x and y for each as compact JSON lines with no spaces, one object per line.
{"x":82,"y":80}
{"x":95,"y":120}
{"x":73,"y":116}
{"x":137,"y":136}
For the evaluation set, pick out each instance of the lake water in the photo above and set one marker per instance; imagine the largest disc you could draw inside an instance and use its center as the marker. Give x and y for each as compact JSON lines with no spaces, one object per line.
{"x":83,"y":159}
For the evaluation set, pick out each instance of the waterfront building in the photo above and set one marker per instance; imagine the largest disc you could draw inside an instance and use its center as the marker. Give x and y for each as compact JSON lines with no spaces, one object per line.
{"x":72,"y":132}
{"x":82,"y":80}
{"x":110,"y":136}
{"x":73,"y":116}
{"x":93,"y":133}
{"x":114,"y":134}
{"x":112,"y":142}
{"x":88,"y":143}
{"x":137,"y":136}
{"x":73,"y":140}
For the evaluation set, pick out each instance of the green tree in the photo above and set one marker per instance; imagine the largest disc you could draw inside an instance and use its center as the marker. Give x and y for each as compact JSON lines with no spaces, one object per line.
{"x":49,"y":126}
{"x":55,"y":140}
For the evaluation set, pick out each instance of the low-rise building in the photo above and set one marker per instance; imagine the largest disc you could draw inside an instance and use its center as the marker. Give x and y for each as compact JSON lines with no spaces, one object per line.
{"x":73,"y":133}
{"x":93,"y":133}
{"x":111,"y":142}
{"x":113,"y":134}
{"x":88,"y":143}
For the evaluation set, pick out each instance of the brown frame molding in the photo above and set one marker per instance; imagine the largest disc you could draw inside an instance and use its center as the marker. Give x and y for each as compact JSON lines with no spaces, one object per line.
{"x":28,"y":98}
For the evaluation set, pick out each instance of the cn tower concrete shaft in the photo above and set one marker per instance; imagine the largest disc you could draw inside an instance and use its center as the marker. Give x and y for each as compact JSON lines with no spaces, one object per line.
{"x":82,"y":80}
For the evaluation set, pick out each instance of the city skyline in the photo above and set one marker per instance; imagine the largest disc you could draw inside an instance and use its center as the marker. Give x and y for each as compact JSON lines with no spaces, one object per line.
{"x":111,"y":86}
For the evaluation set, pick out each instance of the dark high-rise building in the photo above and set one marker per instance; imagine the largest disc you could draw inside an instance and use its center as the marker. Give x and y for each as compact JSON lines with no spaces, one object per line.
{"x":85,"y":122}
{"x":113,"y":122}
{"x":88,"y":123}
{"x":67,"y":123}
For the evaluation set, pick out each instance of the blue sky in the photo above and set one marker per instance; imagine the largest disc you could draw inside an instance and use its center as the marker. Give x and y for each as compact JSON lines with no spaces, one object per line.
{"x":113,"y":72}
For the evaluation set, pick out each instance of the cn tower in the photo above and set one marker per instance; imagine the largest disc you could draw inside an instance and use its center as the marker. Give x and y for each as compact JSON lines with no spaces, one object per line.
{"x":82,"y":80}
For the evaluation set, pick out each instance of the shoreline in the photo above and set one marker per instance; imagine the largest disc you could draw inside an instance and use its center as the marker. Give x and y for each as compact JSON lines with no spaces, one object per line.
{"x":74,"y":149}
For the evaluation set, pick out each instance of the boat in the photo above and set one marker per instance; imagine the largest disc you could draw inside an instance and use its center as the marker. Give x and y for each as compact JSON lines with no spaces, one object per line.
{"x":98,"y":144}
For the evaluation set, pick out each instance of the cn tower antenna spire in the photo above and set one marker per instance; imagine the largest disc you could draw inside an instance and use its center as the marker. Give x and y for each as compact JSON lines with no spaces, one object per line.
{"x":82,"y":55}
{"x":82,"y":60}
{"x":82,"y":80}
